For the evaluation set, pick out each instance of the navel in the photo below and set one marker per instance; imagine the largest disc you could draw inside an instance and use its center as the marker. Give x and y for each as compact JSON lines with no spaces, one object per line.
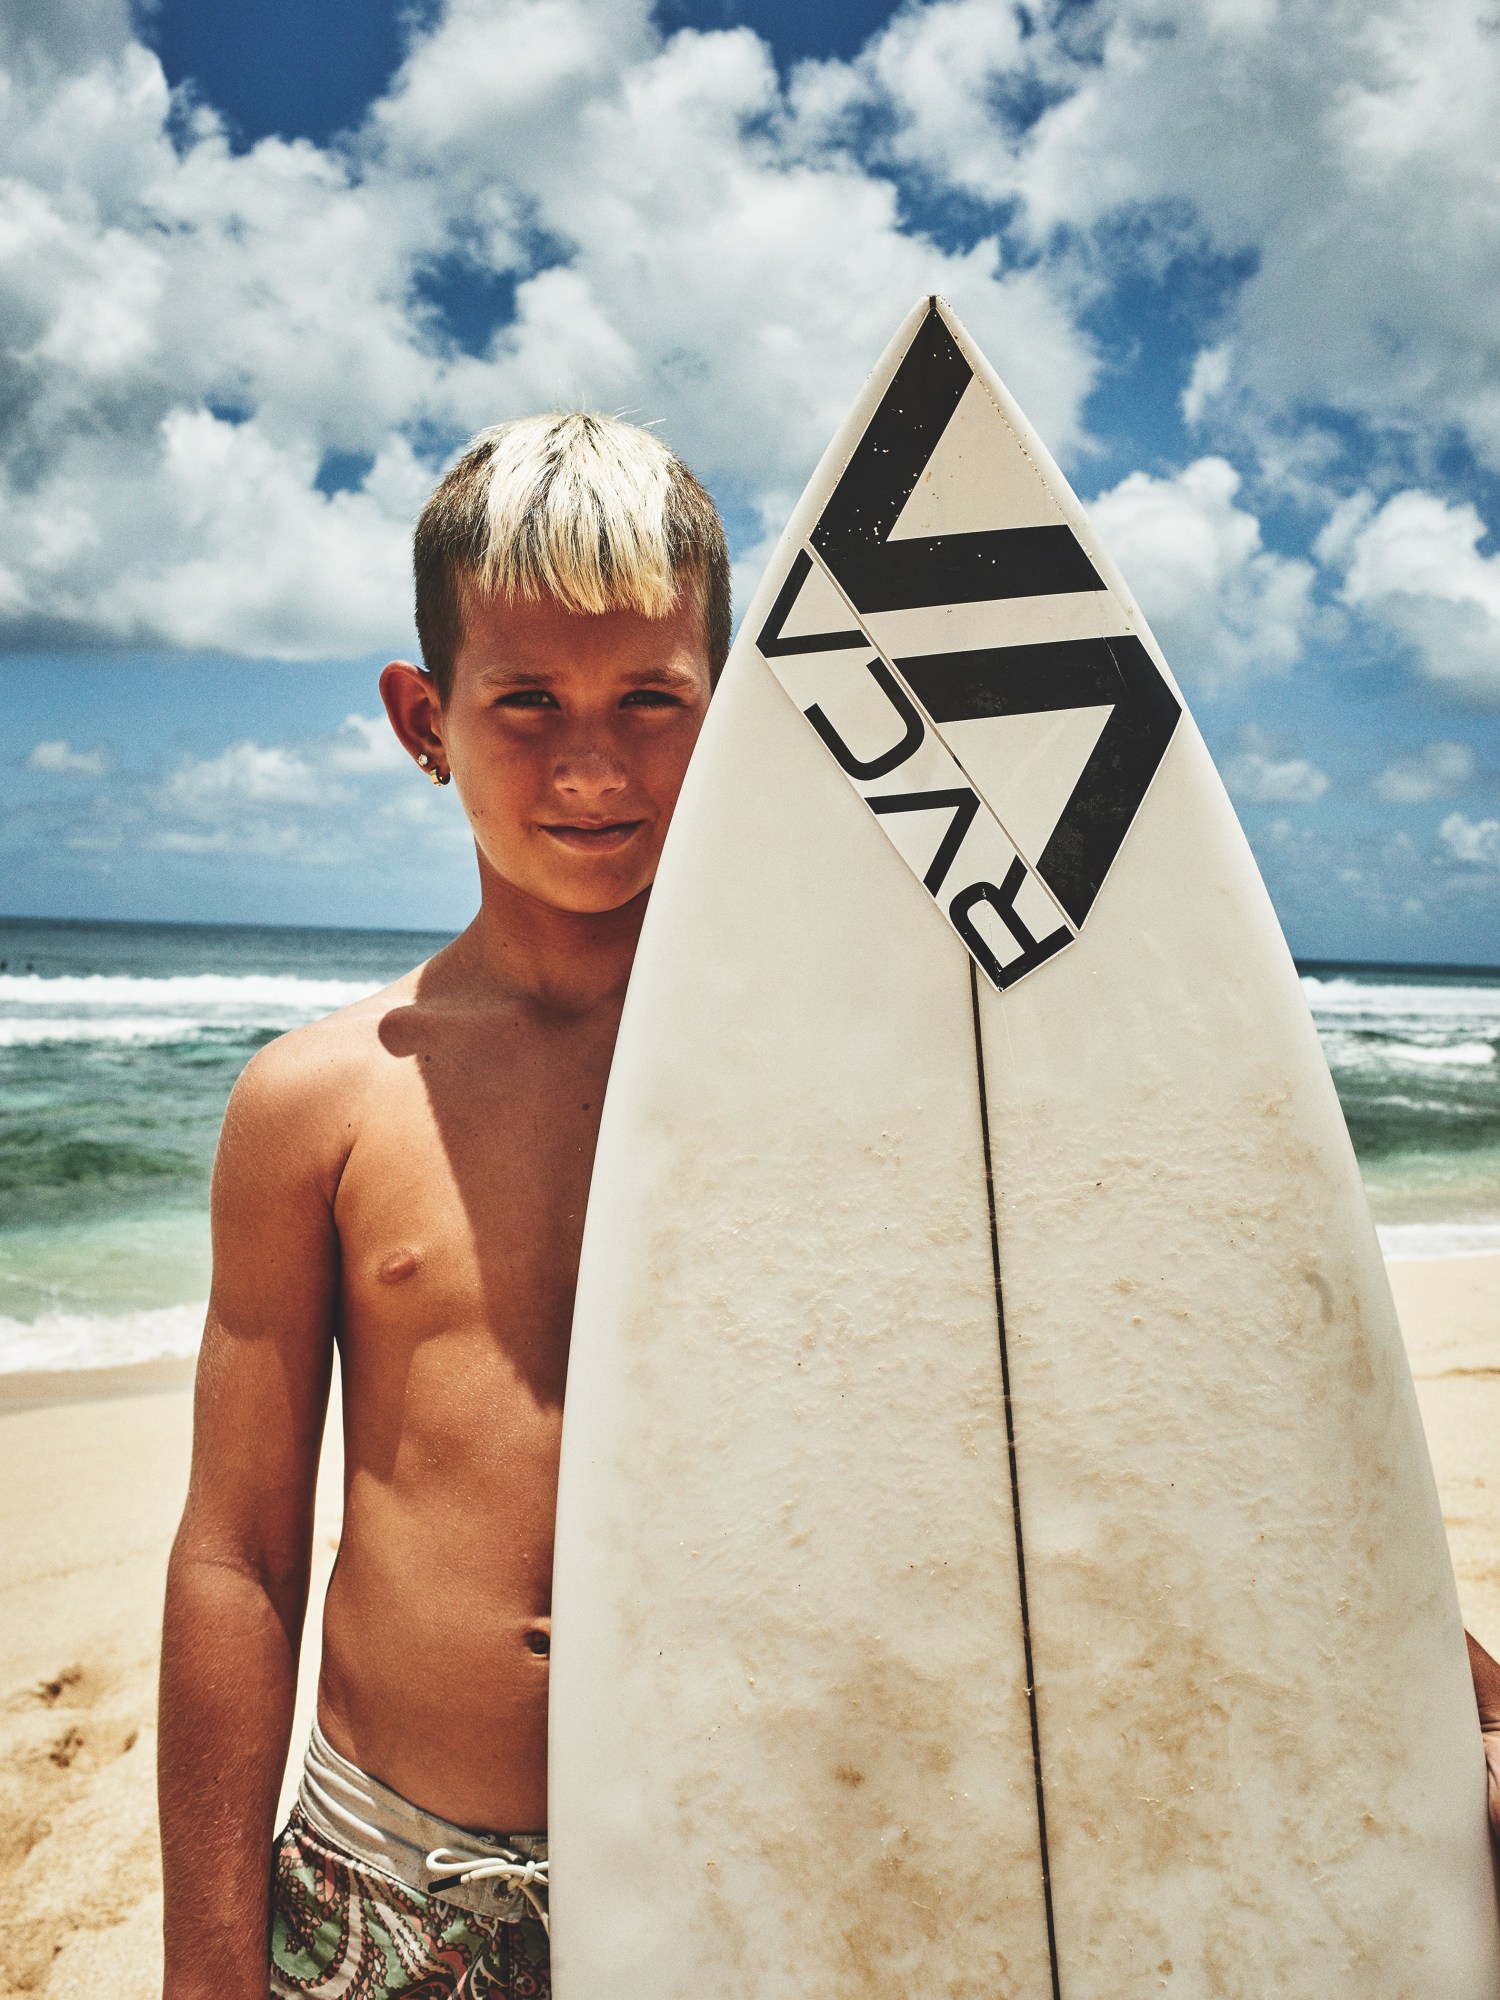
{"x":400,"y":1264}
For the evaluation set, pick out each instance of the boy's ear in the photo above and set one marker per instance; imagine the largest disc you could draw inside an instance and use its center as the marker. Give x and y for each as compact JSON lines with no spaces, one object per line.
{"x":416,"y":714}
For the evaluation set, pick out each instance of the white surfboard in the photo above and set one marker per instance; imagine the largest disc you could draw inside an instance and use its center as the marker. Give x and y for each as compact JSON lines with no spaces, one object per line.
{"x":996,"y":1552}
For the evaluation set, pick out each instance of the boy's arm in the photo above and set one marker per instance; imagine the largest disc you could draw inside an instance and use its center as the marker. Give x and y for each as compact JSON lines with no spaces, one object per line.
{"x":238,"y":1577}
{"x":1486,"y":1674}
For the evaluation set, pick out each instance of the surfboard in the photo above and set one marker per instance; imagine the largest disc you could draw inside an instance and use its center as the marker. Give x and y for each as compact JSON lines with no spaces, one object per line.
{"x":996,"y":1550}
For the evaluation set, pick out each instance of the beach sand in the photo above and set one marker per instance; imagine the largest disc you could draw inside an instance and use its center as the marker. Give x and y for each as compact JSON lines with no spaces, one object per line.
{"x":93,"y":1469}
{"x":92,"y":1474}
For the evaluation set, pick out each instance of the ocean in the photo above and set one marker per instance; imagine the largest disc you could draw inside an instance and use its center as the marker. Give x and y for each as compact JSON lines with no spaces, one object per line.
{"x":119,"y":1044}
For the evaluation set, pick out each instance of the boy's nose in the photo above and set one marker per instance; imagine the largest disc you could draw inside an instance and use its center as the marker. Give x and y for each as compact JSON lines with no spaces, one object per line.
{"x":590,"y":770}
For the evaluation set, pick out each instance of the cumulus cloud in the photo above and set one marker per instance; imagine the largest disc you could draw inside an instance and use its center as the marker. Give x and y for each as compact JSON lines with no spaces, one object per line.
{"x":363,"y":744}
{"x":227,"y":386}
{"x":349,"y":799}
{"x":244,"y":773}
{"x":1476,"y":841}
{"x":1286,"y":781}
{"x":1221,"y":603}
{"x":1413,"y":565}
{"x":192,"y":335}
{"x":323,"y":799}
{"x":58,"y":758}
{"x":1208,"y":378}
{"x":1429,"y":773}
{"x":730,"y":270}
{"x":1342,"y":149}
{"x":1265,"y":771}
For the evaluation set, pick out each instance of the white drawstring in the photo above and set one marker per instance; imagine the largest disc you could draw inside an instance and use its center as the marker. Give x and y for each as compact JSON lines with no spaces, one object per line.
{"x":450,"y":1869}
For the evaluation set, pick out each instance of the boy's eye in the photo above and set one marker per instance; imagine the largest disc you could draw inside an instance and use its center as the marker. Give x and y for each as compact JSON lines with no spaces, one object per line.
{"x":527,"y":698}
{"x":650,"y":698}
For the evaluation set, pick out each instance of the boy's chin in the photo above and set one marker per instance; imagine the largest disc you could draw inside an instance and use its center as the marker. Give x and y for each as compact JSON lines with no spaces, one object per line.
{"x":604,"y":903}
{"x":588,"y":893}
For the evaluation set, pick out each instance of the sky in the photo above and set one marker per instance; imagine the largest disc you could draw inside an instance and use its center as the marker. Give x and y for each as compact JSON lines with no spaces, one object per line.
{"x":263,"y":269}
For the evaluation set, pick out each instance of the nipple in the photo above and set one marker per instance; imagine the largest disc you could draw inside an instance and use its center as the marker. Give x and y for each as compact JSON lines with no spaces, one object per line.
{"x":400,"y":1264}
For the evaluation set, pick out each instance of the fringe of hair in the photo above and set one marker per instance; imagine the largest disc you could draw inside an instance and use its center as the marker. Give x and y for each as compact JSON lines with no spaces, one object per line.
{"x":590,"y":511}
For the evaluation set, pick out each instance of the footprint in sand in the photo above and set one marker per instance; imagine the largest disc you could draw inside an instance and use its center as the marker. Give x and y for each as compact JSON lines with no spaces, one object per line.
{"x":64,"y":1739}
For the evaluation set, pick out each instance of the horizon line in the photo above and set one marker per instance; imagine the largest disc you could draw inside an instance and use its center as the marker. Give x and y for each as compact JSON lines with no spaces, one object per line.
{"x":1314,"y":966}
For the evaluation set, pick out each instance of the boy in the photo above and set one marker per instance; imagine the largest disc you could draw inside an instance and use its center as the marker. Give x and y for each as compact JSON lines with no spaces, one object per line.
{"x":407,"y":1178}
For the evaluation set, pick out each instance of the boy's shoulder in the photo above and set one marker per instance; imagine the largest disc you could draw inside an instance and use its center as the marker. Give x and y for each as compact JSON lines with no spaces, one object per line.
{"x":330,"y":1052}
{"x":305,"y":1088}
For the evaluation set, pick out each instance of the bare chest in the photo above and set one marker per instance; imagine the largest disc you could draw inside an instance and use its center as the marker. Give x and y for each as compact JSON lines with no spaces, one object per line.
{"x":460,"y":1210}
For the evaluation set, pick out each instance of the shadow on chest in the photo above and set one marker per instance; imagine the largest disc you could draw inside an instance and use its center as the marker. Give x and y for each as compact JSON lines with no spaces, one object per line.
{"x":463,"y":1202}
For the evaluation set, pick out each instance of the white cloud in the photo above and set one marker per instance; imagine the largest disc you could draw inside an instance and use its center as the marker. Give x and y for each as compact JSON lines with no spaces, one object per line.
{"x":186,"y":331}
{"x":1344,"y":149}
{"x":1428,"y":773}
{"x":1284,"y":781}
{"x":189,"y":331}
{"x":144,"y":286}
{"x":1265,"y":772}
{"x":365,"y":743}
{"x":1222,"y":605}
{"x":265,"y":838}
{"x":324,"y":801}
{"x":58,"y":758}
{"x":349,"y":797}
{"x":1413,"y":565}
{"x":1209,"y":378}
{"x":1476,"y":841}
{"x":732,"y":271}
{"x":231,"y":548}
{"x":244,"y":773}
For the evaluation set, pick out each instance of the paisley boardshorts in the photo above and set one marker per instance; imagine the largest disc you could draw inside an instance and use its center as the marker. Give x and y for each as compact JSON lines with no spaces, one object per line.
{"x":342,"y":1931}
{"x":374,"y":1899}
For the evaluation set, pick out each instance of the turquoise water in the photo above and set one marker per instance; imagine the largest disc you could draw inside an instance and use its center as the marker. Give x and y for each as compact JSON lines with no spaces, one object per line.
{"x":119,"y":1044}
{"x":1416,"y":1057}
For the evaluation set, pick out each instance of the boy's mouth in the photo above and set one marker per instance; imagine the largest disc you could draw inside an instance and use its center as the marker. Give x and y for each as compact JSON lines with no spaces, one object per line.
{"x":594,"y":836}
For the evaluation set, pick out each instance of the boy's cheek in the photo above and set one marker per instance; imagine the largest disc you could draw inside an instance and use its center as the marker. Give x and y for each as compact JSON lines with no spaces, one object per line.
{"x":670,"y":768}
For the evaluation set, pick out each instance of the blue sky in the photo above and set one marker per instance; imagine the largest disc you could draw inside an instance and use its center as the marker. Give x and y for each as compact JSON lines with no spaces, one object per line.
{"x":262,"y":268}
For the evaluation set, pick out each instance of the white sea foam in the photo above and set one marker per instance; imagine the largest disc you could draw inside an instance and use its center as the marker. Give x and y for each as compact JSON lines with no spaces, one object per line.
{"x":44,"y":1028}
{"x":1466,"y":1055}
{"x":1357,"y":1000}
{"x":1439,"y":1239}
{"x":1453,"y":1055}
{"x":1377,"y":1031}
{"x":35,"y":1010}
{"x":99,"y":1340}
{"x":193,"y":992}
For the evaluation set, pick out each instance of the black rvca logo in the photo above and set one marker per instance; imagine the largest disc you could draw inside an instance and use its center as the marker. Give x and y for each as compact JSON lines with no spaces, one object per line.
{"x":922,"y":691}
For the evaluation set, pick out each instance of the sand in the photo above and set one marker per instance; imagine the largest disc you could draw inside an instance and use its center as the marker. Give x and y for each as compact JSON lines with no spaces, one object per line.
{"x":92,"y":1473}
{"x":93,"y":1469}
{"x":1450,"y":1314}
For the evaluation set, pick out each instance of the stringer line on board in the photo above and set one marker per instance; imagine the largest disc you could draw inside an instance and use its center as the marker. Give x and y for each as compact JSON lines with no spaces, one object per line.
{"x":1015,"y":1482}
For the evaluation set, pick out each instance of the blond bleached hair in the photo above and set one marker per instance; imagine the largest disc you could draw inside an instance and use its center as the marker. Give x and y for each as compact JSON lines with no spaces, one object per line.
{"x":592,"y":512}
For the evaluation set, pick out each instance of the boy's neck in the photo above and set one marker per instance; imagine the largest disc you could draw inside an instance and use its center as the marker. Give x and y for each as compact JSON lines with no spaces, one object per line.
{"x":564,"y":961}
